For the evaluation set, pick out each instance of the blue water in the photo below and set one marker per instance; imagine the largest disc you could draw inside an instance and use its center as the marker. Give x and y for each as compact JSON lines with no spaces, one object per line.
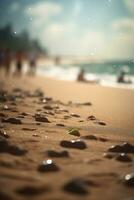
{"x":109,"y":67}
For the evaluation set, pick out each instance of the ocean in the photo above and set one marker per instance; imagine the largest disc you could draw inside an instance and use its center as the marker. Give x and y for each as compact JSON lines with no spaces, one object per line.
{"x":105,"y":72}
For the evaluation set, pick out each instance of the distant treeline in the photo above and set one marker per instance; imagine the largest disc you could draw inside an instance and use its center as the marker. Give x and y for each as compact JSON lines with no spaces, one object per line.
{"x":19,"y":41}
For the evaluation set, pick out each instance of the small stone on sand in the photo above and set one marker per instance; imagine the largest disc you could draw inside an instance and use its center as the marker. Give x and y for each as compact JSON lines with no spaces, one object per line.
{"x":76,"y":144}
{"x":48,"y":166}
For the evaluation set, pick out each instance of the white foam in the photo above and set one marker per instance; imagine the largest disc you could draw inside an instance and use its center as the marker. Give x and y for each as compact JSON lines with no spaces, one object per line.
{"x":70,"y":73}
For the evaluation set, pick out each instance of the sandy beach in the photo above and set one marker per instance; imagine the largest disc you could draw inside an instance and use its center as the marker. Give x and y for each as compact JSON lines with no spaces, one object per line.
{"x":39,"y":118}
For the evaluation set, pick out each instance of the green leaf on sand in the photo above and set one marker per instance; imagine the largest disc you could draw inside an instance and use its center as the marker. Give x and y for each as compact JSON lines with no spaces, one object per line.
{"x":74,"y":132}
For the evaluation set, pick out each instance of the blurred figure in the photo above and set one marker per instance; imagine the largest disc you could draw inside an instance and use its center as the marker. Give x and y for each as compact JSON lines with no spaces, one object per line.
{"x":7,"y":61}
{"x":19,"y":60}
{"x":81,"y":77}
{"x":32,"y":63}
{"x":1,"y":58}
{"x":121,"y":78}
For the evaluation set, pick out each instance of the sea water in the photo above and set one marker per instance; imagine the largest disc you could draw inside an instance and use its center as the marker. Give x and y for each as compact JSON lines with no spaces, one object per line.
{"x":106,"y":72}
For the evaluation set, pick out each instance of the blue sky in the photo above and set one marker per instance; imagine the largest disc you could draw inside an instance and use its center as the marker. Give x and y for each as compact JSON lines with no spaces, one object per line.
{"x":96,"y":28}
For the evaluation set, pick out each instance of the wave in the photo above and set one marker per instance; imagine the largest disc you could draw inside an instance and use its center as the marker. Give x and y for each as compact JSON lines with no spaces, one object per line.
{"x":70,"y":73}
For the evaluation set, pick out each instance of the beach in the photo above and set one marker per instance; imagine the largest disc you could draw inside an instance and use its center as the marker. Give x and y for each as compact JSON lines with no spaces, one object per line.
{"x":40,"y":117}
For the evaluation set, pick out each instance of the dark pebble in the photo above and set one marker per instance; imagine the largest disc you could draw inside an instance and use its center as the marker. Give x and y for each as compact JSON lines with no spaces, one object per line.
{"x":5,"y":147}
{"x":48,"y":107}
{"x":16,"y":150}
{"x":76,"y":186}
{"x":74,"y":115}
{"x":90,"y":137}
{"x":48,"y":166}
{"x":4,"y":134}
{"x":24,"y":114}
{"x":76,"y":144}
{"x":4,"y":196}
{"x":123,"y":157}
{"x":62,"y":154}
{"x":12,"y":120}
{"x":91,"y":117}
{"x":123,"y":148}
{"x":31,"y":190}
{"x":103,"y":139}
{"x":41,"y":118}
{"x":60,"y":125}
{"x":101,"y":123}
{"x":129,"y":180}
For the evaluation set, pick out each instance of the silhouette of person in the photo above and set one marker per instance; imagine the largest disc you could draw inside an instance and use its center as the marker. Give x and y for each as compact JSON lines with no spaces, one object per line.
{"x":81,"y":75}
{"x":32,"y":64}
{"x":7,"y":61}
{"x":19,"y":59}
{"x":121,"y":78}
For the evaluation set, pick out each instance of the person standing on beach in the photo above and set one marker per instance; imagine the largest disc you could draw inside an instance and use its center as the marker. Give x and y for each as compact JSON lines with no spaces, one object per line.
{"x":19,"y":59}
{"x":7,"y":61}
{"x":1,"y":58}
{"x":32,"y":63}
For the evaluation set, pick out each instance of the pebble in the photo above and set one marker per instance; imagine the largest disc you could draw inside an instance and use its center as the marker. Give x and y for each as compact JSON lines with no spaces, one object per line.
{"x":129,"y":180}
{"x":123,"y":148}
{"x":103,"y":139}
{"x":5,"y":107}
{"x":41,"y":118}
{"x":74,"y":115}
{"x":48,"y":166}
{"x":60,"y":125}
{"x":66,"y":117}
{"x":16,"y":150}
{"x":31,"y":190}
{"x":74,"y":132}
{"x":48,"y":107}
{"x":28,"y":129}
{"x":56,"y":154}
{"x":101,"y":123}
{"x":87,"y":104}
{"x":76,"y":144}
{"x":91,"y":117}
{"x":25,"y":113}
{"x":90,"y":137}
{"x":109,"y":155}
{"x":4,"y":134}
{"x":123,"y":158}
{"x":12,"y":120}
{"x":2,"y":115}
{"x":5,"y":147}
{"x":4,"y":196}
{"x":76,"y":186}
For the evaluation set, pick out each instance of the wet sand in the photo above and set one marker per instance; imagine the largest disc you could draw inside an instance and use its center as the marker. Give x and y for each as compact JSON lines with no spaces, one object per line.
{"x":38,"y":159}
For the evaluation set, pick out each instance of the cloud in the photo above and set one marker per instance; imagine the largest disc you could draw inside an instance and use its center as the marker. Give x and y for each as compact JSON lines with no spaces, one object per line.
{"x":41,"y":12}
{"x":64,"y":39}
{"x":130,"y":5}
{"x":124,"y":25}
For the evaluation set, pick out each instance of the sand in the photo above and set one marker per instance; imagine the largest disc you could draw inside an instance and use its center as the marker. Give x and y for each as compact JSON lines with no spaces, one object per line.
{"x":90,"y":174}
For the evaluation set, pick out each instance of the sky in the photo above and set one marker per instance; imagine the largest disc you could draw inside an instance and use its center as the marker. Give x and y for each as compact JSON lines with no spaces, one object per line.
{"x":97,"y":28}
